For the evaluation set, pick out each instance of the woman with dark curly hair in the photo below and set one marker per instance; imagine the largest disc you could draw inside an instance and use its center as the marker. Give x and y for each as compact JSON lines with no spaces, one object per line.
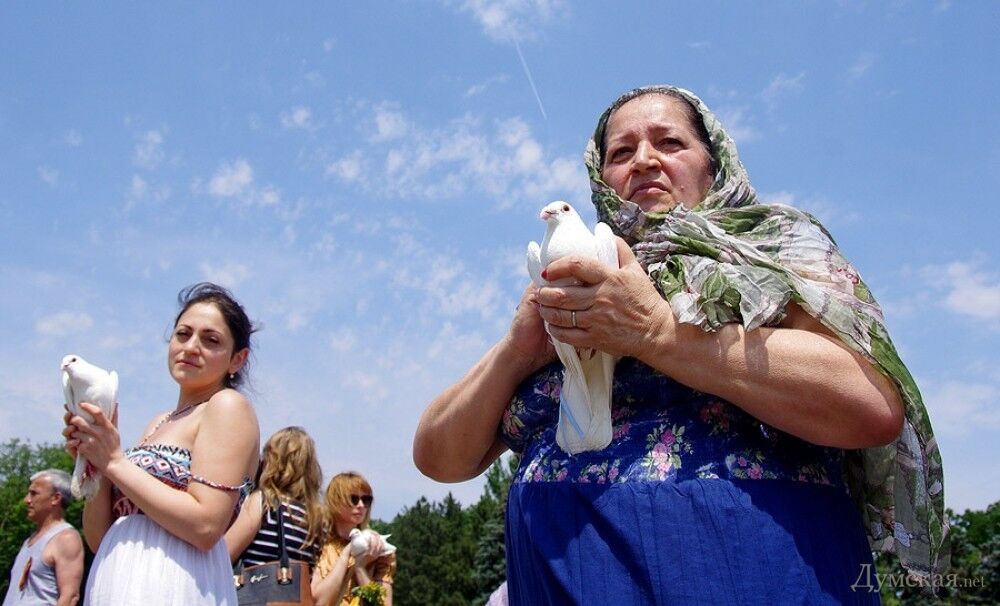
{"x":158,"y":519}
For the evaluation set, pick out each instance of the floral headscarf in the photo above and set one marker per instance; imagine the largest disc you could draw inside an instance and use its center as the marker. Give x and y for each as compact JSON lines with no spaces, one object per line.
{"x":731,"y":259}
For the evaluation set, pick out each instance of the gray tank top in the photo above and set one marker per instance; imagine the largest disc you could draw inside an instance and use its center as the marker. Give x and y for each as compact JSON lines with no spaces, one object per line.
{"x":40,"y":587}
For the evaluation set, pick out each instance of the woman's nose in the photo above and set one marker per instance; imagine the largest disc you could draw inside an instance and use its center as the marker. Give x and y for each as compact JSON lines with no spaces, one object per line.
{"x":644,"y":157}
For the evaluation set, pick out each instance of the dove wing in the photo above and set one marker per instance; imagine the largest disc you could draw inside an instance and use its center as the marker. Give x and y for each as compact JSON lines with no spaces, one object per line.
{"x":113,"y":394}
{"x":534,"y":258}
{"x":607,"y":251}
{"x":68,"y":392}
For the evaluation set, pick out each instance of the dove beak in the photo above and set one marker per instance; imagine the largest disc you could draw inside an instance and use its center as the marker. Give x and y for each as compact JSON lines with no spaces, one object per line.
{"x":545,"y":214}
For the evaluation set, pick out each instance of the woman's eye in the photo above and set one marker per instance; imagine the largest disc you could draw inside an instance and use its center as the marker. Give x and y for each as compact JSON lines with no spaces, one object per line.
{"x":619,"y":154}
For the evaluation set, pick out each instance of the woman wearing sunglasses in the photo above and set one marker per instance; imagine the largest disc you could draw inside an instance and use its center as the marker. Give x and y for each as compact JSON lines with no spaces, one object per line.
{"x":349,"y":506}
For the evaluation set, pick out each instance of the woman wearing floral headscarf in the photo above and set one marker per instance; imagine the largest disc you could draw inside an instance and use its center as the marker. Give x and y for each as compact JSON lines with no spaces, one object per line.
{"x":757,"y":396}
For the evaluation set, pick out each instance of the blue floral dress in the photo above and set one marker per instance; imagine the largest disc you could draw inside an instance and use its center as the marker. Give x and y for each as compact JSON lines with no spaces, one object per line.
{"x":693,"y":502}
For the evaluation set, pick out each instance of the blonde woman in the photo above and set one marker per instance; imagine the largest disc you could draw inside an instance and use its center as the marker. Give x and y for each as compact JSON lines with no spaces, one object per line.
{"x":290,"y":475}
{"x":349,"y":506}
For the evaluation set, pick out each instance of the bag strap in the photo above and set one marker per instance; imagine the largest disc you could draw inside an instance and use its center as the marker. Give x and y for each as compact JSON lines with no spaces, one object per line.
{"x":284,"y":569}
{"x":238,"y":565}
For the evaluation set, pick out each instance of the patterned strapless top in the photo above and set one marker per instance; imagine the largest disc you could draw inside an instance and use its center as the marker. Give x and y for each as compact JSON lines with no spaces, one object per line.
{"x":172,"y":466}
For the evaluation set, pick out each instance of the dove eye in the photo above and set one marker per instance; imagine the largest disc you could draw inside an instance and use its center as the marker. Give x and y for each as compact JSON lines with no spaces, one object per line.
{"x":566,"y":208}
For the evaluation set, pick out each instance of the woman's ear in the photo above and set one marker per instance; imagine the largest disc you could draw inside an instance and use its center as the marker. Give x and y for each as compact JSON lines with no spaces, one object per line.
{"x":238,"y":360}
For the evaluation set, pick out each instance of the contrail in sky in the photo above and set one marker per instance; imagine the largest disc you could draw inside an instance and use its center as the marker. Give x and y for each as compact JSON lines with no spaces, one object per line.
{"x":527,"y":72}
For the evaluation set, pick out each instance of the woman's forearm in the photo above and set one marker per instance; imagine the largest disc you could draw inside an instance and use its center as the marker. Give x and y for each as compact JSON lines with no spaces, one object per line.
{"x":456,"y":438}
{"x":798,"y":380}
{"x":329,"y":589}
{"x":198,"y":516}
{"x":97,"y":515}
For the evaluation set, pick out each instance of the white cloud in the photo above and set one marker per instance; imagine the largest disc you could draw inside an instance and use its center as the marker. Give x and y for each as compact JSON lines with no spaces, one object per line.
{"x":389,"y":124}
{"x":329,"y":44}
{"x":49,"y":175}
{"x":477,"y":89}
{"x":230,"y":274}
{"x":343,"y":340}
{"x":295,"y":320}
{"x":861,"y":65}
{"x":504,"y":162}
{"x":699,"y":44}
{"x":140,"y":190}
{"x":782,"y":85}
{"x":73,"y":138}
{"x":504,"y":20}
{"x":735,"y":122}
{"x":961,"y":407}
{"x":971,"y":291}
{"x":137,"y":190}
{"x":149,"y":150}
{"x":63,"y":323}
{"x":942,"y":6}
{"x":828,"y":214}
{"x":298,"y":117}
{"x":235,"y":180}
{"x":231,"y":179}
{"x":347,"y":169}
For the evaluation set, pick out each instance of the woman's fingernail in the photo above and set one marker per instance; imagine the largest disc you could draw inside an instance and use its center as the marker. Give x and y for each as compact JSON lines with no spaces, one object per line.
{"x":544,"y":277}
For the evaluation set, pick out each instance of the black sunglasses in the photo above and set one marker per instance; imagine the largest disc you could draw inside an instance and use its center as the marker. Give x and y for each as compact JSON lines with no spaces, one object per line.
{"x":359,"y":498}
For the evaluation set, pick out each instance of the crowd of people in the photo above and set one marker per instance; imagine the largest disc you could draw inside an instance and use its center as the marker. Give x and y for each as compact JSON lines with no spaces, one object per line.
{"x":178,"y":510}
{"x":766,"y":436}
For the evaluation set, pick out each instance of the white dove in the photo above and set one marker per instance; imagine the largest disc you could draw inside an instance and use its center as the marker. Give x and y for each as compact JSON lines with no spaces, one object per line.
{"x":585,"y":401}
{"x":84,"y":382}
{"x":361,"y":539}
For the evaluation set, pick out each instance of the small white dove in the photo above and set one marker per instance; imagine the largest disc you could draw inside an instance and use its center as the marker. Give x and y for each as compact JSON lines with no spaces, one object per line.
{"x":585,"y":401}
{"x":361,"y":539}
{"x":84,"y":382}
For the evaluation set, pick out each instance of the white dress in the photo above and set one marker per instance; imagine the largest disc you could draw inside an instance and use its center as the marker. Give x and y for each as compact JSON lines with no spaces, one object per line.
{"x":140,"y":563}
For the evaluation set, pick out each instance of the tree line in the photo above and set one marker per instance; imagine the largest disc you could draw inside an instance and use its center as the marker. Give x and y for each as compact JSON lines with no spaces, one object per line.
{"x":449,"y":555}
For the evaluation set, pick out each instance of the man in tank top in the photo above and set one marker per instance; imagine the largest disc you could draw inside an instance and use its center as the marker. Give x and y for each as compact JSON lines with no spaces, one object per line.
{"x":49,"y":566}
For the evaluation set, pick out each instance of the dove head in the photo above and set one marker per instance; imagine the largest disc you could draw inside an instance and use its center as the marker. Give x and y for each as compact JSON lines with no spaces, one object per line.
{"x":69,"y":360}
{"x":554,"y":212}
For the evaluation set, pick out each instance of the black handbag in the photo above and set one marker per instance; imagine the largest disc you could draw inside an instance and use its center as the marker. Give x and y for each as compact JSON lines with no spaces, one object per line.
{"x":282,"y":583}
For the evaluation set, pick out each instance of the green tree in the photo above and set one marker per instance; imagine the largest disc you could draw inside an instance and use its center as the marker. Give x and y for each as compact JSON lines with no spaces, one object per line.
{"x":435,"y":554}
{"x":449,"y":555}
{"x":18,"y":461}
{"x":490,"y":563}
{"x":974,"y":577}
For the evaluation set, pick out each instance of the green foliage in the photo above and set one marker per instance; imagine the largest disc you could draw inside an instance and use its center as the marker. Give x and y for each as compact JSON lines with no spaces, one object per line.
{"x":975,"y":565}
{"x":449,"y":556}
{"x":371,"y":594}
{"x":18,"y":461}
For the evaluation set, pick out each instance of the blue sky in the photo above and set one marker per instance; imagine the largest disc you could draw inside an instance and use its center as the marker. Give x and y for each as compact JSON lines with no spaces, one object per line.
{"x":367,"y":180}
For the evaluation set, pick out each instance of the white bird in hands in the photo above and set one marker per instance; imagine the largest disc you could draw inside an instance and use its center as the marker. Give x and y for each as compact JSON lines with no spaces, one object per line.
{"x":84,"y":382}
{"x":361,"y":540}
{"x":585,"y":401}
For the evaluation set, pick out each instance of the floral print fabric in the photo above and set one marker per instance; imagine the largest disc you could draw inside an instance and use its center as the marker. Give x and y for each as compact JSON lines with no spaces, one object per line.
{"x":663,"y":431}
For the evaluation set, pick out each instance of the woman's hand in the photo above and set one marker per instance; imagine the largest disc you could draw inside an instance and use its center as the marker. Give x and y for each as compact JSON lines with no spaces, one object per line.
{"x":526,"y":335}
{"x":375,"y":544}
{"x":69,"y":432}
{"x":99,"y":441}
{"x":618,"y":311}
